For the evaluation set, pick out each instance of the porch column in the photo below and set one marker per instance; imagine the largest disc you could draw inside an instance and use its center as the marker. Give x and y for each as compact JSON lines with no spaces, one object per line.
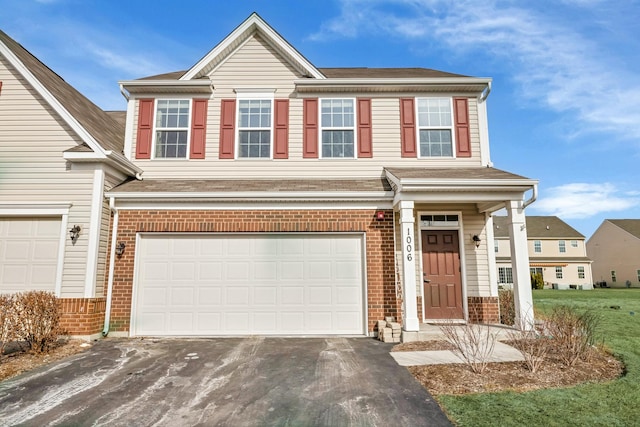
{"x":409,"y":304}
{"x":520,"y":265}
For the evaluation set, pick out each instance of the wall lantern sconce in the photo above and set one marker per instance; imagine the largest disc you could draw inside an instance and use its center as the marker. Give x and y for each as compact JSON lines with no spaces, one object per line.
{"x":120,"y":248}
{"x":476,"y":240}
{"x":74,"y":233}
{"x":380,"y":216}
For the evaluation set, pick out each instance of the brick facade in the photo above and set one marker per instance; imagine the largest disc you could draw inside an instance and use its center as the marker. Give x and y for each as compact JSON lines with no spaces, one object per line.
{"x":381,"y":295}
{"x":82,"y":316}
{"x":484,"y":309}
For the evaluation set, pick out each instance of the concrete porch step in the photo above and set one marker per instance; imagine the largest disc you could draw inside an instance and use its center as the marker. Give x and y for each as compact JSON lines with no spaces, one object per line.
{"x":431,"y":332}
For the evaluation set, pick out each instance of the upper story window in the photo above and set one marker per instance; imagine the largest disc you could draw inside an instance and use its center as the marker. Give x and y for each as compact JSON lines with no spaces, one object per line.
{"x":537,"y":246}
{"x":337,"y":121}
{"x":435,"y":127}
{"x":495,"y":246}
{"x":172,"y":128}
{"x":574,"y":243}
{"x":254,"y":128}
{"x":562,"y":246}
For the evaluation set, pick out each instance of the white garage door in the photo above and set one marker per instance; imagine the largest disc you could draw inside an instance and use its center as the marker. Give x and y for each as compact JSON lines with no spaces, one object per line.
{"x":28,"y":254}
{"x":249,"y":284}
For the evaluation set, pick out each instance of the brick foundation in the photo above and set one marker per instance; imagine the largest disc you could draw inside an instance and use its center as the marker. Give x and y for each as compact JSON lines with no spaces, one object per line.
{"x":82,"y":316}
{"x":381,"y":295}
{"x":484,"y":309}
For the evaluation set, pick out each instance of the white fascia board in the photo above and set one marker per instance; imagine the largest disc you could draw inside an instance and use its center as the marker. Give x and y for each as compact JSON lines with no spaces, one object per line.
{"x":250,"y":205}
{"x":396,"y":81}
{"x":257,"y":196}
{"x":254,"y":22}
{"x":109,"y":157}
{"x":173,"y":84}
{"x":411,"y":184}
{"x":459,"y":197}
{"x":51,"y":100}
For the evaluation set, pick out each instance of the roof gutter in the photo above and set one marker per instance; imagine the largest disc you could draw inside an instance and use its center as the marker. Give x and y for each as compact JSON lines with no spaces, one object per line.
{"x":533,"y":197}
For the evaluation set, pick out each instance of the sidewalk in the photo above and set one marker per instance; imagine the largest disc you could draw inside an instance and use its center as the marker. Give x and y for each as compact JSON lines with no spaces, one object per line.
{"x":501,"y":353}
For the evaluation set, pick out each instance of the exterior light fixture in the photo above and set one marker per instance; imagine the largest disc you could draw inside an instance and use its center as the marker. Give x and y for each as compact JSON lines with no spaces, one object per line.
{"x":74,"y":233}
{"x":380,"y":216}
{"x":476,"y":240}
{"x":120,"y":248}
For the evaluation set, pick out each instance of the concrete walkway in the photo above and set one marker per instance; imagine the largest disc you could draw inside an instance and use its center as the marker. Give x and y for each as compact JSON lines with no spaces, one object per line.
{"x":501,"y":353}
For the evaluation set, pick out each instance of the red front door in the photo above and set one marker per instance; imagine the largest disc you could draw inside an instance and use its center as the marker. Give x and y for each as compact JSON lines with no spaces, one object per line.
{"x":442,"y":283}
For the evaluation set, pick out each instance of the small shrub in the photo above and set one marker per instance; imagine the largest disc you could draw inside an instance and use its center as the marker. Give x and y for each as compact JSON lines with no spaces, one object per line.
{"x":507,"y":307}
{"x":7,"y":321}
{"x":473,"y":343}
{"x":531,"y":342}
{"x":537,"y":282}
{"x":573,"y":333}
{"x":38,"y":322}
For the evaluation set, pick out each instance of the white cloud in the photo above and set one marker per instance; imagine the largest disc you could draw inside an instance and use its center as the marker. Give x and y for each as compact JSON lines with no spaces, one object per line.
{"x":554,"y":60}
{"x":583,"y":200}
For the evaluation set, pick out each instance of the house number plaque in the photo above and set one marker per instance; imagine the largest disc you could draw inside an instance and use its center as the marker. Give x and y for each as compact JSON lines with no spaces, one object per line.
{"x":409,"y":242}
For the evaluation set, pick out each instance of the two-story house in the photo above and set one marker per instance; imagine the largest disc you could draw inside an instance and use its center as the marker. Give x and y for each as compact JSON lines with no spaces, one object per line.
{"x":615,"y":250}
{"x":277,"y":197}
{"x":557,"y":251}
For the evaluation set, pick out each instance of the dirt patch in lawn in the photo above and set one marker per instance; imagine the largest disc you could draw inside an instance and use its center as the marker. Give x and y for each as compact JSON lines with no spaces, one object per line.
{"x":15,"y":360}
{"x":600,"y":366}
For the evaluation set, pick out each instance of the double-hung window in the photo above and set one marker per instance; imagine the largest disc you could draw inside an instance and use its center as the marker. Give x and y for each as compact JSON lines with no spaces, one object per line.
{"x":435,"y":127}
{"x":537,"y":246}
{"x":337,"y":120}
{"x":562,"y":247}
{"x":505,"y":275}
{"x":580,"y":272}
{"x":558,"y":272}
{"x":255,"y":121}
{"x":172,"y":128}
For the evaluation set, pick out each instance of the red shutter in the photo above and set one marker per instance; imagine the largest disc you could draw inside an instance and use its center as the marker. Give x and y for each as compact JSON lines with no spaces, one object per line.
{"x":364,"y":129}
{"x":145,"y":129}
{"x":408,"y":127}
{"x":227,"y":128}
{"x":198,"y":128}
{"x":310,"y":137}
{"x":281,"y":137}
{"x":461,"y":118}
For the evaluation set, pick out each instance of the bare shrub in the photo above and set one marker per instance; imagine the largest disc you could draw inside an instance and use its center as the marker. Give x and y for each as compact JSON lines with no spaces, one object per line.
{"x":38,"y":319}
{"x":507,"y":307}
{"x":473,"y":343}
{"x":7,"y":321}
{"x":573,"y":333}
{"x":531,"y":342}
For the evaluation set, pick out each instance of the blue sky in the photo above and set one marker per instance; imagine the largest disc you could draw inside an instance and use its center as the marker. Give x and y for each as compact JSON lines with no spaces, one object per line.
{"x":565,"y":104}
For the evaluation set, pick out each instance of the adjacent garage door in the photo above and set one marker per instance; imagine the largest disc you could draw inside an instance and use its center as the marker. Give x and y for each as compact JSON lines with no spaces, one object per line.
{"x":249,"y":284}
{"x":28,"y":254}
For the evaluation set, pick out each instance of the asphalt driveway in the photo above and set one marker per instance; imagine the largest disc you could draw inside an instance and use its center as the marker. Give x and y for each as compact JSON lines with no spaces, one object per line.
{"x":224,"y":381}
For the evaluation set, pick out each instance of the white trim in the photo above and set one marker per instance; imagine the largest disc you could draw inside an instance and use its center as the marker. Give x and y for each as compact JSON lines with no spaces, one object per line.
{"x":40,"y":209}
{"x":254,"y":95}
{"x":112,"y":262}
{"x":128,"y":130}
{"x":354,"y":128}
{"x":93,"y":245}
{"x":483,"y":124}
{"x":451,"y":127}
{"x":154,"y":133}
{"x":491,"y":253}
{"x":252,"y":205}
{"x":52,"y":100}
{"x":251,"y":24}
{"x":461,"y":249}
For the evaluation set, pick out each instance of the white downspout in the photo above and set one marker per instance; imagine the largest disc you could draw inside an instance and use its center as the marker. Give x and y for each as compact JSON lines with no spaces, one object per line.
{"x":112,"y":262}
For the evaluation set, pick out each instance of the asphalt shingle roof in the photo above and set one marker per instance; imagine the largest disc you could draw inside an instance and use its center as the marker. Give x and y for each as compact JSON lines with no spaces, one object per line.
{"x":452,"y":173}
{"x":631,"y":226}
{"x":539,"y":227}
{"x":109,"y":133}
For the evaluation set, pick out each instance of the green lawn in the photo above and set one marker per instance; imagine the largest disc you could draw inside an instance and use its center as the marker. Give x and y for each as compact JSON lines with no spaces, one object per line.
{"x":616,"y":403}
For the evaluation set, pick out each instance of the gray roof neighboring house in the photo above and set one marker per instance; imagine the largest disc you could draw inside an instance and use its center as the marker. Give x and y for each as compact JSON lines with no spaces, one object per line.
{"x":106,"y":130}
{"x":538,"y":227}
{"x":453,"y":173}
{"x":631,"y":226}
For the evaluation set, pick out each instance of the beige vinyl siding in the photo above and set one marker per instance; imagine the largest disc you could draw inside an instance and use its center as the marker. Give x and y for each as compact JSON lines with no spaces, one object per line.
{"x":105,"y":228}
{"x":612,"y":248}
{"x":255,"y":65}
{"x":32,"y":169}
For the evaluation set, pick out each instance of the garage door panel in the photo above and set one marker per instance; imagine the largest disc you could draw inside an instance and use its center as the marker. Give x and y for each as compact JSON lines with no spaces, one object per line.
{"x":247,"y":284}
{"x":29,"y":250}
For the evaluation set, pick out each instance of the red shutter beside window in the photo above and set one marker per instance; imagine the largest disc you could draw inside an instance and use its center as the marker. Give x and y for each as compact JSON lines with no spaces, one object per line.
{"x":227,"y":128}
{"x":365,"y":148}
{"x":408,"y":127}
{"x":281,"y":136}
{"x":461,"y":117}
{"x":198,"y":128}
{"x":145,"y":129}
{"x":310,"y":123}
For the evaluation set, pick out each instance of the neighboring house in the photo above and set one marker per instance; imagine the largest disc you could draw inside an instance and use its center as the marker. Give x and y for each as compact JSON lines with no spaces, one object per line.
{"x":281,"y":198}
{"x":556,"y":250}
{"x":59,"y":153}
{"x":615,"y":250}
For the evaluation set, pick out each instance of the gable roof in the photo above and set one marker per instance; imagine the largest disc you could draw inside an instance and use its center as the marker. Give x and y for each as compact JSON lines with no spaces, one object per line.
{"x":103,"y":131}
{"x":631,"y":226}
{"x":254,"y":23}
{"x":538,"y":227}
